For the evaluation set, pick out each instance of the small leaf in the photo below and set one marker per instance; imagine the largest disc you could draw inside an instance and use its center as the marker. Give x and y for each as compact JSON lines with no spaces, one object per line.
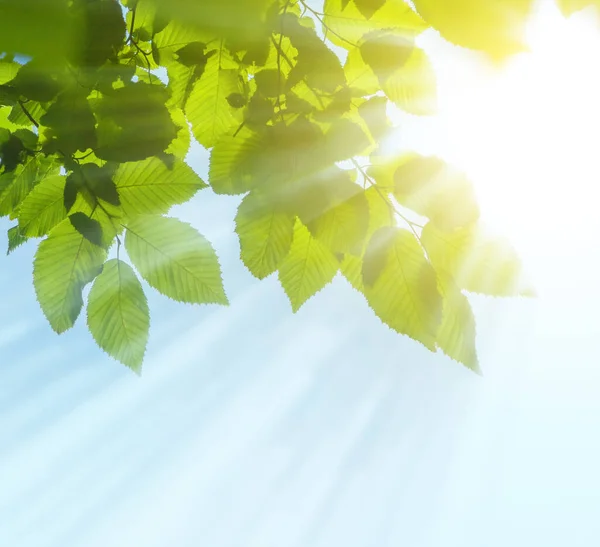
{"x":64,"y":263}
{"x":15,"y":239}
{"x":175,"y":259}
{"x":117,"y":314}
{"x":308,"y":267}
{"x":87,"y":227}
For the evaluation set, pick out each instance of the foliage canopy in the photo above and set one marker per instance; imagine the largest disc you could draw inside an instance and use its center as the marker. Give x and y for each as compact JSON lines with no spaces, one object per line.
{"x":100,"y":100}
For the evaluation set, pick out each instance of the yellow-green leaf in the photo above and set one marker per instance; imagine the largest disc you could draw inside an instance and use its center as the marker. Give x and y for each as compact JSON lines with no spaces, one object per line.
{"x":308,"y":267}
{"x":477,"y":261}
{"x":207,"y":107}
{"x":265,"y":234}
{"x":413,"y":87}
{"x":152,"y":186}
{"x":175,"y":259}
{"x":64,"y":263}
{"x":494,"y":26}
{"x":400,"y":285}
{"x":456,"y":336}
{"x":117,"y":314}
{"x":43,"y":208}
{"x":348,"y":25}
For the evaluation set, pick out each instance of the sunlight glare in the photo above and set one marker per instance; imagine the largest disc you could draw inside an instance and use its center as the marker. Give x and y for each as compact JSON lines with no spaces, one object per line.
{"x":526,"y":133}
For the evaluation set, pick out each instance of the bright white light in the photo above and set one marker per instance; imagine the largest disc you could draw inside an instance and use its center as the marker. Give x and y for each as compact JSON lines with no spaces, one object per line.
{"x":528,"y":132}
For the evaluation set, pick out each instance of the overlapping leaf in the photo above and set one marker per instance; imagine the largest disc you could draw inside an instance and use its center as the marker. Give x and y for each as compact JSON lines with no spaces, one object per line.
{"x":117,"y":314}
{"x":153,"y":187}
{"x":307,"y":268}
{"x":65,"y":262}
{"x":175,"y":259}
{"x":401,"y":286}
{"x":265,"y":234}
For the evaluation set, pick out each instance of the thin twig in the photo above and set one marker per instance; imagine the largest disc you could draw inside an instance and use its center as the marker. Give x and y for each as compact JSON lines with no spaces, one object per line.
{"x":28,"y":114}
{"x":412,"y":225}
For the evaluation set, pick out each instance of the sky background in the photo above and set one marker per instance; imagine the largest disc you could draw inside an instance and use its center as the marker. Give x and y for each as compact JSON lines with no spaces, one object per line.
{"x":255,"y":427}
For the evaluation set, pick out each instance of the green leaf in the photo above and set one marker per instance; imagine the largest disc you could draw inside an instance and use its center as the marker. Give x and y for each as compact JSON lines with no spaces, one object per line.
{"x":368,"y":8}
{"x":456,"y":336}
{"x":43,"y":208}
{"x":134,"y":123}
{"x":71,"y":123}
{"x":308,"y":267}
{"x":117,"y":314}
{"x":15,"y":239}
{"x":175,"y":259}
{"x":15,"y":186}
{"x":88,"y":227}
{"x":413,"y":88}
{"x":233,"y":163}
{"x":342,"y":225}
{"x":64,"y":263}
{"x":344,"y":19}
{"x":401,"y":286}
{"x":265,"y":234}
{"x":477,"y":261}
{"x":152,"y":187}
{"x":494,"y":26}
{"x":207,"y":107}
{"x":434,"y":189}
{"x":568,"y":7}
{"x":359,"y":75}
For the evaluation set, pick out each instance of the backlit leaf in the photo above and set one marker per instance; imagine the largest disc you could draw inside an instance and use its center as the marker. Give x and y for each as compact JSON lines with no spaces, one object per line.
{"x":265,"y":234}
{"x":401,"y":287}
{"x":152,"y":187}
{"x":308,"y":267}
{"x":456,"y":335}
{"x":43,"y":208}
{"x":175,"y":259}
{"x":64,"y":263}
{"x":117,"y":314}
{"x":477,"y":261}
{"x":207,"y":107}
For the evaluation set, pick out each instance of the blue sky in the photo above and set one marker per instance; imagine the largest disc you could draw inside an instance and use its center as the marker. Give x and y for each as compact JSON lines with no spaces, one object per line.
{"x":253,"y":426}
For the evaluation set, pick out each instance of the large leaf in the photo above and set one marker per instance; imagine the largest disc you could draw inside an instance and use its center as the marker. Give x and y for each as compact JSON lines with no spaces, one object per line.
{"x":401,"y":286}
{"x":64,"y":263}
{"x":308,"y":267}
{"x":175,"y":259}
{"x":494,"y":26}
{"x":207,"y":107}
{"x":477,"y":261}
{"x":153,"y":187}
{"x":117,"y":314}
{"x":265,"y":234}
{"x":43,"y":208}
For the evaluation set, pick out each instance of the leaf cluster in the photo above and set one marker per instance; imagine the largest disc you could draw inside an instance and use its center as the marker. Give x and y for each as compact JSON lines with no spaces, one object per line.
{"x":99,"y":104}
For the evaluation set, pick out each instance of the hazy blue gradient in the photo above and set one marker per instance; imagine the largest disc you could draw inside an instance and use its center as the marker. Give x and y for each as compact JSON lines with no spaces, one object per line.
{"x":255,"y":427}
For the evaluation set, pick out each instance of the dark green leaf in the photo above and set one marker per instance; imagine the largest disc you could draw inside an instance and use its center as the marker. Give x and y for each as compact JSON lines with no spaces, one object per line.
{"x":87,"y":227}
